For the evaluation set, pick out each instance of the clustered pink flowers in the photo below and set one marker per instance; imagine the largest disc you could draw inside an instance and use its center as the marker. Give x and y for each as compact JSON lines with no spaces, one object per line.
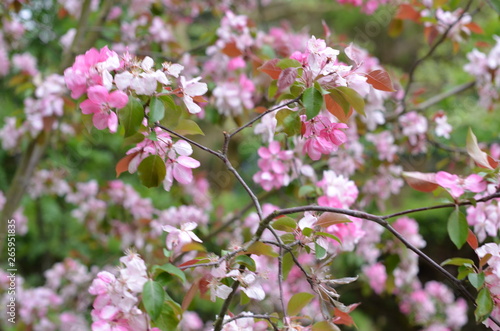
{"x":178,"y":163}
{"x":274,"y":166}
{"x":117,"y":297}
{"x":322,"y":136}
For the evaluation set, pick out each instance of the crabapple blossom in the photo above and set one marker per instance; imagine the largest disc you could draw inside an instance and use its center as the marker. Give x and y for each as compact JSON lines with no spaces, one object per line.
{"x":180,"y":237}
{"x":274,"y":166}
{"x":443,"y":128}
{"x":191,"y":89}
{"x":232,"y":97}
{"x":486,"y":69}
{"x":100,"y":102}
{"x":377,"y":276}
{"x":338,"y":191}
{"x":414,"y":126}
{"x":457,"y":185}
{"x":485,"y":218}
{"x":322,"y":136}
{"x":91,"y":69}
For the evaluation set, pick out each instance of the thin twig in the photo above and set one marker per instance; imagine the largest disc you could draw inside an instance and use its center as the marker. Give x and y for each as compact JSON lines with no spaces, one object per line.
{"x":430,"y":52}
{"x":262,"y":115}
{"x":446,"y":205}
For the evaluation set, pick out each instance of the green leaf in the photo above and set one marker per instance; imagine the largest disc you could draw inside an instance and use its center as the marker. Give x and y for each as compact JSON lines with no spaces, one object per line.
{"x":476,"y":280}
{"x":287,"y":264}
{"x":340,"y":99}
{"x":259,"y":248}
{"x":464,"y":271}
{"x":324,"y":326}
{"x":244,"y":299}
{"x":305,"y":190}
{"x":312,"y":100}
{"x":319,"y":251}
{"x":156,"y":110}
{"x":458,"y":261}
{"x":353,"y":98}
{"x":285,"y":223}
{"x":273,"y":88}
{"x":173,"y":112}
{"x":288,"y":63}
{"x":131,"y":116}
{"x":458,"y":229}
{"x":329,"y":235}
{"x":484,"y":305}
{"x":247,"y":261}
{"x":290,"y":121}
{"x":188,"y":127}
{"x":172,"y":270}
{"x":153,"y":296}
{"x":152,"y":171}
{"x":169,"y":317}
{"x":297,"y":302}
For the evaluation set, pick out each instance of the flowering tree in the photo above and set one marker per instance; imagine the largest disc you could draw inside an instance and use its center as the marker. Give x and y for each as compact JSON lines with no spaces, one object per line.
{"x":308,"y":204}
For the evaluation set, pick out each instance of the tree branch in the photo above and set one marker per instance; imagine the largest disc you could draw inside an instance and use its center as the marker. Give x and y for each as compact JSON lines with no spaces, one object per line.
{"x":430,"y":52}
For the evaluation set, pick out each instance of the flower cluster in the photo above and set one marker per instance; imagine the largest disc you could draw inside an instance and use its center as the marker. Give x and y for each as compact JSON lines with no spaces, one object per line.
{"x":117,"y":297}
{"x":178,"y":163}
{"x":322,"y":136}
{"x":486,"y":69}
{"x":274,"y":165}
{"x":434,"y":307}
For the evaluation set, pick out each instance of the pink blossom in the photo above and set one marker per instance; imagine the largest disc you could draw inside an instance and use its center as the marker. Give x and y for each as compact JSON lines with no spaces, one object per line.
{"x":192,"y":88}
{"x":233,"y":97}
{"x":457,"y":186}
{"x":180,"y":237}
{"x":485,"y":217}
{"x":90,"y":69}
{"x":322,"y":136}
{"x":377,"y":276}
{"x":180,"y":169}
{"x":338,"y":191}
{"x":100,"y":102}
{"x":443,"y":129}
{"x":26,"y":63}
{"x":274,"y":166}
{"x":384,"y":142}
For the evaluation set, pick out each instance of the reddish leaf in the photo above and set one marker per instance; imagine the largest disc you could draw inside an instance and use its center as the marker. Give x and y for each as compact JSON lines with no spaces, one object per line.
{"x":380,"y":80}
{"x":430,"y":33}
{"x":407,"y":12}
{"x":481,"y":158}
{"x":188,"y":298}
{"x":122,"y":165}
{"x":199,"y":98}
{"x":343,"y":317}
{"x":204,"y":283}
{"x":474,"y":28}
{"x":260,"y":109}
{"x":270,"y":68}
{"x":424,"y":182}
{"x":326,"y":30}
{"x":286,"y":78}
{"x":326,"y":219}
{"x":472,"y":240}
{"x":336,"y":110}
{"x":484,"y":260}
{"x":231,"y":50}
